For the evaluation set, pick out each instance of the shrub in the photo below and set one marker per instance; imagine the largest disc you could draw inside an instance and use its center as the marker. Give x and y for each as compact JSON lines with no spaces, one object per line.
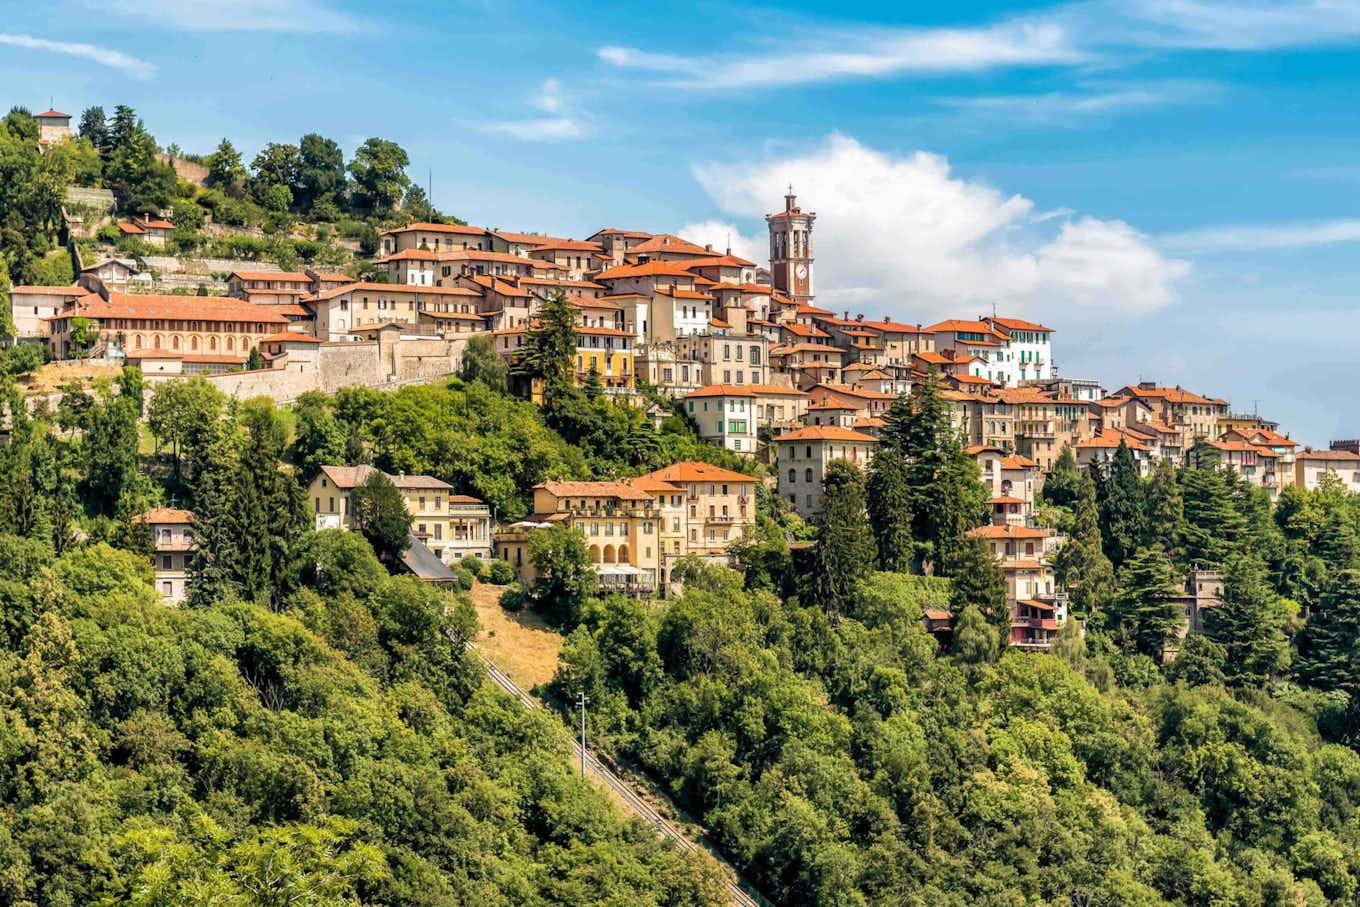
{"x":500,"y":573}
{"x":513,"y":599}
{"x":475,"y":566}
{"x":464,"y":577}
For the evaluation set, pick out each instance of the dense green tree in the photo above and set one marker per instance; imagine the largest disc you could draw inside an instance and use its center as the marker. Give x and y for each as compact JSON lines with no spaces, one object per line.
{"x":549,"y":346}
{"x":378,"y":172}
{"x":319,"y":438}
{"x":379,"y":514}
{"x":1329,"y":645}
{"x":110,"y":444}
{"x":482,"y":363}
{"x":94,"y":127}
{"x":1214,"y":529}
{"x":1062,"y":486}
{"x":276,"y":167}
{"x":1252,"y":624}
{"x":564,"y":577}
{"x":254,"y":362}
{"x":889,"y":504}
{"x":978,"y":582}
{"x":844,"y":553}
{"x":1145,"y":614}
{"x":141,"y":182}
{"x":1123,"y":508}
{"x":321,"y":172}
{"x":1080,"y":565}
{"x":1165,"y":524}
{"x":186,"y":415}
{"x":225,"y":169}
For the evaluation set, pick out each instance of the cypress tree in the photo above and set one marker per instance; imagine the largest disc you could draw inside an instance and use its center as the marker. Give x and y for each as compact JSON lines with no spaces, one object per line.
{"x":1145,"y":613}
{"x":844,"y":553}
{"x":890,"y":516}
{"x":979,"y":583}
{"x":1251,"y":624}
{"x":1329,"y":644}
{"x":1123,"y":519}
{"x":1081,"y":566}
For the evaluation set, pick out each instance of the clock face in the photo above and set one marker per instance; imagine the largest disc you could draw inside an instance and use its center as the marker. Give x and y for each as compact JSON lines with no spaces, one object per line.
{"x":801,"y":271}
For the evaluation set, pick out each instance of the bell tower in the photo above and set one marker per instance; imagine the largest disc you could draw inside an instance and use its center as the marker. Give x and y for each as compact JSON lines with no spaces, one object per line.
{"x":791,"y":249}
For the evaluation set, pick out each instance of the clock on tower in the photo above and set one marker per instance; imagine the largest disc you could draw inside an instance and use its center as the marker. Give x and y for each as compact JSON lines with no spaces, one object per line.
{"x":791,"y":249}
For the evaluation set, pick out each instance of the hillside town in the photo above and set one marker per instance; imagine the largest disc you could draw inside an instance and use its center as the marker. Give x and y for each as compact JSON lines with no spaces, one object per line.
{"x":739,"y":346}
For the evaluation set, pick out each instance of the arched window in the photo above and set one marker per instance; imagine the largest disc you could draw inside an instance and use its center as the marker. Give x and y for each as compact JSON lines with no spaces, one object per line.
{"x":793,"y":475}
{"x":174,"y":342}
{"x":807,"y":475}
{"x":156,"y":342}
{"x":212,"y":344}
{"x":609,"y":554}
{"x":137,"y":341}
{"x":594,"y":554}
{"x":623,"y":554}
{"x":193,"y":344}
{"x":231,"y":343}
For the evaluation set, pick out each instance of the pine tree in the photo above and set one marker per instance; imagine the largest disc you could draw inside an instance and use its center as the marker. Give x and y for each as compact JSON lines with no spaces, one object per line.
{"x":1329,"y":644}
{"x":1145,"y":613}
{"x":844,"y":553}
{"x":1251,"y":624}
{"x":380,"y":515}
{"x":1214,"y":528}
{"x":1123,"y":519}
{"x":1081,"y":566}
{"x":1062,"y":488}
{"x":979,"y":582}
{"x":1165,"y":524}
{"x":550,"y":345}
{"x":889,"y":500}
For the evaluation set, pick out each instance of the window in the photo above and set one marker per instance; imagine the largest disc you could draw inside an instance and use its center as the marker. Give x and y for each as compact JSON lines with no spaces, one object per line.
{"x":807,"y":474}
{"x":167,"y":561}
{"x":793,"y":476}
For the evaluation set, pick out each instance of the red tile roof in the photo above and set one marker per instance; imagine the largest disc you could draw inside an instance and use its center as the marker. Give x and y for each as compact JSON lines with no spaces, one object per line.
{"x":666,"y":242}
{"x":695,"y":471}
{"x":164,"y":514}
{"x":182,"y":308}
{"x":650,"y":269}
{"x":826,"y":433}
{"x":289,"y":337}
{"x":425,"y":227}
{"x":1018,"y":324}
{"x":621,"y":490}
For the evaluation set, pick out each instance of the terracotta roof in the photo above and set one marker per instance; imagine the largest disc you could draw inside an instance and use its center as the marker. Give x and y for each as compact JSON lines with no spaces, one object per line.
{"x":164,"y":515}
{"x":723,"y":390}
{"x":1008,"y":532}
{"x":803,"y":330}
{"x":695,"y":471}
{"x":621,"y":490}
{"x":650,"y":269}
{"x":50,"y":113}
{"x":1016,"y":461}
{"x":786,"y":348}
{"x":683,"y":294}
{"x":1336,"y":455}
{"x":294,"y":309}
{"x":1036,"y":604}
{"x":289,"y":337}
{"x":741,"y":287}
{"x":503,"y":257}
{"x":294,"y":276}
{"x":29,"y":290}
{"x":612,"y":231}
{"x":856,"y":392}
{"x":374,"y":287}
{"x":957,"y":325}
{"x":559,"y":282}
{"x":1110,"y":438}
{"x":626,"y":296}
{"x":647,"y":483}
{"x":214,"y":358}
{"x":1018,"y":324}
{"x":1005,"y":499}
{"x":129,"y":228}
{"x":533,"y":239}
{"x":410,"y":255}
{"x":567,"y":245}
{"x":894,"y":327}
{"x":1170,"y":394}
{"x":333,"y":277}
{"x":826,"y":433}
{"x":425,"y":227}
{"x":719,"y":261}
{"x":157,"y":223}
{"x":666,"y":242}
{"x":498,"y":286}
{"x":352,"y":476}
{"x":182,"y":308}
{"x":869,"y":422}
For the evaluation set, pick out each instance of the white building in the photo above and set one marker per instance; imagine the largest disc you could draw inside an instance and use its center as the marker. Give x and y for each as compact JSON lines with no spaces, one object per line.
{"x":726,"y":416}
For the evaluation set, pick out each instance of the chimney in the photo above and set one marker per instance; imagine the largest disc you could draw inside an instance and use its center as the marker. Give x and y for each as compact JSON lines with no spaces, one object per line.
{"x":708,"y":247}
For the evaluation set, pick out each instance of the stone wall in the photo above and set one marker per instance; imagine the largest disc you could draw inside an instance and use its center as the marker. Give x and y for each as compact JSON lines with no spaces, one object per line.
{"x":365,"y":364}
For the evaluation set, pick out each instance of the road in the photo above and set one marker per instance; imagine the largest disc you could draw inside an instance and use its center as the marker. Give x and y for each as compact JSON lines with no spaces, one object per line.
{"x":626,"y":791}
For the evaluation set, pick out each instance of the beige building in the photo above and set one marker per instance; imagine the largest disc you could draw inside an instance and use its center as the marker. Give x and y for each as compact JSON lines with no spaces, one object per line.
{"x":723,"y":357}
{"x":270,"y":287}
{"x":453,"y":526}
{"x":32,"y":308}
{"x":187,"y":325}
{"x":172,"y":547}
{"x":340,"y":311}
{"x":1196,"y":417}
{"x":620,"y":523}
{"x":435,"y":238}
{"x":719,"y":504}
{"x":1311,"y":465}
{"x":803,"y":455}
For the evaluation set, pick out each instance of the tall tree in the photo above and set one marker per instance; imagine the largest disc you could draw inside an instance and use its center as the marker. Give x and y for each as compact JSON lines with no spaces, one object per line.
{"x":1123,"y":514}
{"x":1063,"y":486}
{"x":1081,"y":566}
{"x":321,"y":171}
{"x":564,"y":578}
{"x":379,"y":174}
{"x":1252,"y":624}
{"x":111,"y":452}
{"x":482,"y":363}
{"x":1165,"y":524}
{"x":1214,"y":528}
{"x":550,"y":346}
{"x":1329,"y":645}
{"x":95,"y":128}
{"x":980,"y":583}
{"x":844,"y":553}
{"x":1145,"y":614}
{"x":225,"y":169}
{"x":889,"y":502}
{"x":274,"y":176}
{"x":380,"y":515}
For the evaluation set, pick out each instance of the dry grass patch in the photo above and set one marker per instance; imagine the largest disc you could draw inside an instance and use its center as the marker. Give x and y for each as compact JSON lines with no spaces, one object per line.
{"x":520,"y":643}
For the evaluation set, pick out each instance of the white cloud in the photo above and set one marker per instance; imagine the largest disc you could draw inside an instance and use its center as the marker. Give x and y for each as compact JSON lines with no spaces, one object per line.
{"x":902,"y":235}
{"x":1072,"y":108}
{"x":1100,"y":31}
{"x":556,"y":125}
{"x":310,"y":16}
{"x":860,"y":53}
{"x":723,"y":235}
{"x":1261,"y":237}
{"x":104,"y":56}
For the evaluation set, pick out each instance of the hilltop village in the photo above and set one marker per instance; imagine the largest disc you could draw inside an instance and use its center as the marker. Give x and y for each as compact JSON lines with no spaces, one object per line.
{"x":739,"y":347}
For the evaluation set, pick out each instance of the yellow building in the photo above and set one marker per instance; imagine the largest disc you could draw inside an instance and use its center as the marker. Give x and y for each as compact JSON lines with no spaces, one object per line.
{"x":453,"y":526}
{"x":621,"y":525}
{"x":604,"y":351}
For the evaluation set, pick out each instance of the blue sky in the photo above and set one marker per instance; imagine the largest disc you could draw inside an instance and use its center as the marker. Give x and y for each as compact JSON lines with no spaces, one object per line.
{"x":1171,"y":184}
